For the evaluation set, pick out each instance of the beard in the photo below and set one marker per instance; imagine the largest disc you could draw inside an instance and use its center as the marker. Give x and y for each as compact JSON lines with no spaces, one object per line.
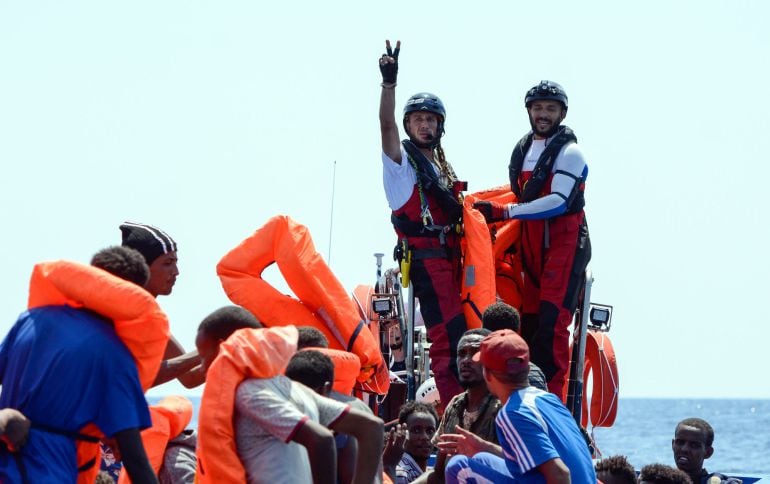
{"x":466,"y":384}
{"x":431,"y":143}
{"x":543,"y":133}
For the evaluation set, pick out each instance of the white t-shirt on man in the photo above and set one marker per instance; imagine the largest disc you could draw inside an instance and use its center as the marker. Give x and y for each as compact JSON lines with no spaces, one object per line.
{"x":268,"y":412}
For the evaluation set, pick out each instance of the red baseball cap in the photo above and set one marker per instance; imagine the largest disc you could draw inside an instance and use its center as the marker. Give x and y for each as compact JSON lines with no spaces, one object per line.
{"x":504,"y":351}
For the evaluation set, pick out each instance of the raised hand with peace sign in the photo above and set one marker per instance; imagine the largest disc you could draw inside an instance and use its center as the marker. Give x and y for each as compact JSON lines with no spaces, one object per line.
{"x":389,"y":63}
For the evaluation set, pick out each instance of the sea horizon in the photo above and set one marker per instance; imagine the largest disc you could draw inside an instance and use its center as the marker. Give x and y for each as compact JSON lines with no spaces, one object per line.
{"x":645,"y":426}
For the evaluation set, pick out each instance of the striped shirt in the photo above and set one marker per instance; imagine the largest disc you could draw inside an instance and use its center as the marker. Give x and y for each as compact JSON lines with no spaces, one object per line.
{"x":534,"y":427}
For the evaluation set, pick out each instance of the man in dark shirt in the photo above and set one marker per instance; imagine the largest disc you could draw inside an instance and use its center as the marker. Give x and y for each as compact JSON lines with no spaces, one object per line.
{"x":691,"y":444}
{"x":475,"y":409}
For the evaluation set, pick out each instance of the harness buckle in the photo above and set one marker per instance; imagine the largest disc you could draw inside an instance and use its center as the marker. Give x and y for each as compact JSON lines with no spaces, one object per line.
{"x":427,"y":217}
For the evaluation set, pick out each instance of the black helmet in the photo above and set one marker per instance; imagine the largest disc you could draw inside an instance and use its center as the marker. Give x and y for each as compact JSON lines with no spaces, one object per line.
{"x":425,"y":101}
{"x":546,"y":90}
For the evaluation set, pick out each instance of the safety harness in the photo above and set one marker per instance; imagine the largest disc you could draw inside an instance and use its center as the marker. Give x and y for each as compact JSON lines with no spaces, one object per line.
{"x":533,"y":187}
{"x":428,"y":183}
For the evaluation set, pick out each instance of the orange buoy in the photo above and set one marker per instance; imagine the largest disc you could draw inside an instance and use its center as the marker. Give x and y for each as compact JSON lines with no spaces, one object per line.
{"x":601,"y":407}
{"x":601,"y":363}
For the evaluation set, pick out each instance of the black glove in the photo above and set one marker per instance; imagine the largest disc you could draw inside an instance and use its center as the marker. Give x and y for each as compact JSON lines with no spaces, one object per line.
{"x":492,"y":211}
{"x":389,"y":69}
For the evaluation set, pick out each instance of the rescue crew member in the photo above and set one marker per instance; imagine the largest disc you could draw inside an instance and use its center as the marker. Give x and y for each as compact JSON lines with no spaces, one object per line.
{"x":424,"y":194}
{"x":548,"y":173}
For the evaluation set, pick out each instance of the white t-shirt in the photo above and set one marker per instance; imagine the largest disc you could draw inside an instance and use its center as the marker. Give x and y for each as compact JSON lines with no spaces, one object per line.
{"x":399,"y":179}
{"x":268,"y":414}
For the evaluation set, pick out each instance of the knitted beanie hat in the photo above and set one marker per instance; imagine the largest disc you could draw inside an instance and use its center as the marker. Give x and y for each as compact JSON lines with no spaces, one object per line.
{"x":150,"y":241}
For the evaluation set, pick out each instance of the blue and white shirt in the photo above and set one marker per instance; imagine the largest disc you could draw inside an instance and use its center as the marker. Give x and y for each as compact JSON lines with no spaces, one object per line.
{"x":534,"y":427}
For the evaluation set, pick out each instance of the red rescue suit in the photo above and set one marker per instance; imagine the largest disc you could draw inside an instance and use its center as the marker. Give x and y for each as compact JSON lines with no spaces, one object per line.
{"x":435,"y":272}
{"x":555,"y":254}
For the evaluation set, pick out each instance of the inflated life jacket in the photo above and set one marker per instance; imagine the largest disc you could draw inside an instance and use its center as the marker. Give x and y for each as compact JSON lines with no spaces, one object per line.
{"x":346,"y":368}
{"x":321,"y":300}
{"x":601,"y":407}
{"x":138,"y":320}
{"x":247,"y":353}
{"x":432,"y":210}
{"x":532,"y":187}
{"x":169,"y":418}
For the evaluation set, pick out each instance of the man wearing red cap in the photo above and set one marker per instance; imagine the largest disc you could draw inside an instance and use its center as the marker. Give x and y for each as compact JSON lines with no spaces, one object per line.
{"x":538,"y":436}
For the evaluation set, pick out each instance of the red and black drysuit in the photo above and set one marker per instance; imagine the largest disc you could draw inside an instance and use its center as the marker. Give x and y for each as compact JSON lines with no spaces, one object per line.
{"x":428,"y":222}
{"x":548,"y":178}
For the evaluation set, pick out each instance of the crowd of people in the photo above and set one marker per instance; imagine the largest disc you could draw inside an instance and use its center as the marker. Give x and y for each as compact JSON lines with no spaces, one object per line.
{"x":277,"y":405}
{"x":291,"y":426}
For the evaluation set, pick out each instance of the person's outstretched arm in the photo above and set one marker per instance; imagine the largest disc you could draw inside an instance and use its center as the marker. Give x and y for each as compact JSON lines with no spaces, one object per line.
{"x":391,"y":145}
{"x":465,"y":442}
{"x":178,"y":364}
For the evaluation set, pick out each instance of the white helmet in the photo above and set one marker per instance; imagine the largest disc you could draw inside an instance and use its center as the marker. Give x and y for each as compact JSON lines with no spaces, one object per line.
{"x":427,"y":392}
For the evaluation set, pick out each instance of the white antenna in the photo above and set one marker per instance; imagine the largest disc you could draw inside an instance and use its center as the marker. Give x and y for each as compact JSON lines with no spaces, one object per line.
{"x":331,"y":216}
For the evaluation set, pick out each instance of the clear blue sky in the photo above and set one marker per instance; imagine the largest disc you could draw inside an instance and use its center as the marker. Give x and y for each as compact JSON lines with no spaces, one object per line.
{"x":207,"y":118}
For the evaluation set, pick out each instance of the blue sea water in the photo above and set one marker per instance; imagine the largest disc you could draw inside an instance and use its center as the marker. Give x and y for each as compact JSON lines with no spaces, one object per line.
{"x":644,"y":428}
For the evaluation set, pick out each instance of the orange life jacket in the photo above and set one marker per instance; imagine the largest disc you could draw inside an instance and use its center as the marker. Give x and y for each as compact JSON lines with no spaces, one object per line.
{"x":506,"y":248}
{"x":322,"y":301}
{"x":169,"y":418}
{"x":138,"y":320}
{"x":247,"y":353}
{"x":478,"y":281}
